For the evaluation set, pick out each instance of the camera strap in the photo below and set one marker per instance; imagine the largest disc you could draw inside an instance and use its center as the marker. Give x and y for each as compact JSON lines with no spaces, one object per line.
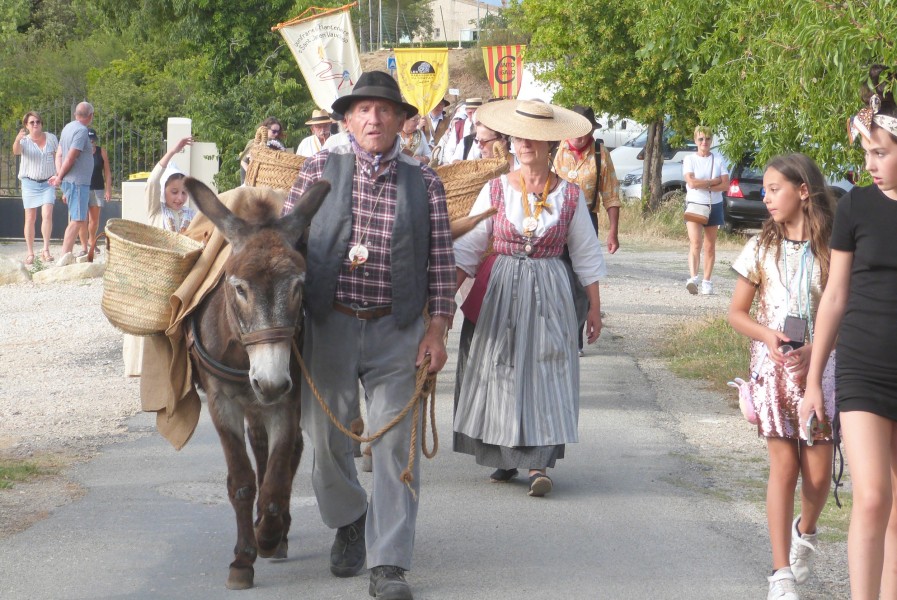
{"x":802,"y":278}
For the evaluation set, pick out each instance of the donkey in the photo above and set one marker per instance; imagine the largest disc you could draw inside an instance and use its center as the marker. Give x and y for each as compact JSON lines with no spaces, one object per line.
{"x":241,"y":338}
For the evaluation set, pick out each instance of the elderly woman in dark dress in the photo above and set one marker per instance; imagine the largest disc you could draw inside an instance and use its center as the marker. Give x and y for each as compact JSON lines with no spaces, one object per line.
{"x":519,"y":400}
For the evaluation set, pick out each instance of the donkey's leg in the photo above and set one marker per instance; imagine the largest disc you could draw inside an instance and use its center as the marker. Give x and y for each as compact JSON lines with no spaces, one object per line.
{"x":258,"y":441}
{"x":298,"y":445}
{"x":227,"y":415}
{"x":282,"y":425}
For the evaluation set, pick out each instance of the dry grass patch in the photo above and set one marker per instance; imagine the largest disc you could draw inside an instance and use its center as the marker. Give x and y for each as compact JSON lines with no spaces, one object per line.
{"x":707,"y":349}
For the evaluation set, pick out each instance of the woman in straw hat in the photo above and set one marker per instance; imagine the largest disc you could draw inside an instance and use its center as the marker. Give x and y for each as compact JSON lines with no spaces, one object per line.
{"x":519,"y":399}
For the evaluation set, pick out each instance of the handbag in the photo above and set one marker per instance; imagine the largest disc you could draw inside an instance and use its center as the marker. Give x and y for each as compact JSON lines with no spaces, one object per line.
{"x":698,"y":212}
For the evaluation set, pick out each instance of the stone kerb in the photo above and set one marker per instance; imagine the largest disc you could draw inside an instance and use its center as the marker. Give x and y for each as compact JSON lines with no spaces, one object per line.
{"x":14,"y":271}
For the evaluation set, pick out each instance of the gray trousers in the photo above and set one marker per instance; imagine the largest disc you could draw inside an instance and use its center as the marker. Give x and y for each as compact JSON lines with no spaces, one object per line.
{"x":340,"y":351}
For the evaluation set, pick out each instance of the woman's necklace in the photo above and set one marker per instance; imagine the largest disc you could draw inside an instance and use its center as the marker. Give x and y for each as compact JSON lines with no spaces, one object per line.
{"x":358,"y":254}
{"x":531,"y":219}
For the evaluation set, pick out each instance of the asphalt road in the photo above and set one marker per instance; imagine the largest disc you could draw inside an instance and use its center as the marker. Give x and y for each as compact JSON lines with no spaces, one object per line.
{"x":622,"y":522}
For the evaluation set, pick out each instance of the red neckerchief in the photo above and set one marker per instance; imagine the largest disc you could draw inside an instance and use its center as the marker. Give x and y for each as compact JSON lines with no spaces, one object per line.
{"x":578,"y":153}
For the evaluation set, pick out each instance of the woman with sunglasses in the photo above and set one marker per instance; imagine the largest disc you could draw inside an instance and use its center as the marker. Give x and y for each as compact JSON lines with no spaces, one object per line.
{"x":37,"y":149}
{"x":706,"y":177}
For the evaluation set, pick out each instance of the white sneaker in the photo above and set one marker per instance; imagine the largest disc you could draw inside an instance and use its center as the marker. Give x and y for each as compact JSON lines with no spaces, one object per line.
{"x":65,"y":260}
{"x":706,"y":287}
{"x":782,"y":586}
{"x":692,"y":285}
{"x":803,"y":552}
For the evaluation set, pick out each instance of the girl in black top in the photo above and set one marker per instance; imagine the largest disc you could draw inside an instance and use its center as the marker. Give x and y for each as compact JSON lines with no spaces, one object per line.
{"x":858,"y":311}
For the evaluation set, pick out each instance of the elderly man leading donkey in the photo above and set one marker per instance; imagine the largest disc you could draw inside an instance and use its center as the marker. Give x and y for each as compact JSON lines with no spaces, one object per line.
{"x":379,"y":253}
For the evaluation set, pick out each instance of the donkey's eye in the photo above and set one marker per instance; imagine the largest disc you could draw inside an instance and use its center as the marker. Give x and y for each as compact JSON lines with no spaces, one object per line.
{"x":296,"y":288}
{"x":241,"y":290}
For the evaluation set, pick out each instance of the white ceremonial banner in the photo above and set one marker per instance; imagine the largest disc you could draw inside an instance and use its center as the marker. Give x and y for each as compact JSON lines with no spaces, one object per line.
{"x":324,"y":46}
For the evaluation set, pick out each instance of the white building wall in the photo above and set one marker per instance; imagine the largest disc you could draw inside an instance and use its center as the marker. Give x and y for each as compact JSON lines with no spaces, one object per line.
{"x":456,"y":15}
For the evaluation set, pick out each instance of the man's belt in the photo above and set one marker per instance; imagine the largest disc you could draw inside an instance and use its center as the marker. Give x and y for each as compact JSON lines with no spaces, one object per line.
{"x":362,"y":313}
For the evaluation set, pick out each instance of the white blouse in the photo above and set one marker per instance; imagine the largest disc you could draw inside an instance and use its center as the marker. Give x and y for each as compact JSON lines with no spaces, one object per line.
{"x":585,"y":248}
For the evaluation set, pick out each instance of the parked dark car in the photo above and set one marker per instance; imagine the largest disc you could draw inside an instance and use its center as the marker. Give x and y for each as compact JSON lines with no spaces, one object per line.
{"x":743,"y":205}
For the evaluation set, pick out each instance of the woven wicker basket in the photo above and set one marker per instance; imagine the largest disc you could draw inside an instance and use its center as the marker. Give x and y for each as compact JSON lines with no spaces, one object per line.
{"x":144,"y":267}
{"x":463,"y":181}
{"x":271,"y":168}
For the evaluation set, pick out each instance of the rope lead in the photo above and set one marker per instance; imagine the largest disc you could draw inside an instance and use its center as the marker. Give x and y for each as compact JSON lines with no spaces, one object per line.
{"x":424,"y":387}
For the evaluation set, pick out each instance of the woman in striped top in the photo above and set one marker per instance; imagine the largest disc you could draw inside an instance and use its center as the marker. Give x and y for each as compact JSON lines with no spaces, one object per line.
{"x":37,"y":149}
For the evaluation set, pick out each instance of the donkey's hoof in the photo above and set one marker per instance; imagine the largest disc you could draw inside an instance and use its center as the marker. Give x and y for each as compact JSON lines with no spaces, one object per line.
{"x":282,"y":550}
{"x":270,"y":548}
{"x":240,"y":578}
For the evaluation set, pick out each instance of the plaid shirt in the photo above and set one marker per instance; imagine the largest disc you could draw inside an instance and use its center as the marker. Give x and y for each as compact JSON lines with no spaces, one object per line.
{"x":373,"y":215}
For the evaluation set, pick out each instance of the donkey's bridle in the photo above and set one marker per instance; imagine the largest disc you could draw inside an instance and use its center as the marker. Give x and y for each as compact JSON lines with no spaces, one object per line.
{"x":271,"y":335}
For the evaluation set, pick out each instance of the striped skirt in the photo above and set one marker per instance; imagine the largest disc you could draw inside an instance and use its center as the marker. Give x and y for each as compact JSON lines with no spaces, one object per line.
{"x":521,"y":384}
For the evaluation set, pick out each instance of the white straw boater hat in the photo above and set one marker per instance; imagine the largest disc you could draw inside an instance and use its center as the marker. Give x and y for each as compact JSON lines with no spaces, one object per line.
{"x":318,"y":117}
{"x":533,"y":120}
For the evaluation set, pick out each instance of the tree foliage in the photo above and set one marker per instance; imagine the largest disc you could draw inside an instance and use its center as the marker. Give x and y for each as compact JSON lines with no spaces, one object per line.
{"x":596,"y":52}
{"x":793,"y":76}
{"x":773,"y":75}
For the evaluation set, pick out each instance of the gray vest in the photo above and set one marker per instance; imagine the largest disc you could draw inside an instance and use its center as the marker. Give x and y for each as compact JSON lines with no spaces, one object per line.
{"x":331,"y":231}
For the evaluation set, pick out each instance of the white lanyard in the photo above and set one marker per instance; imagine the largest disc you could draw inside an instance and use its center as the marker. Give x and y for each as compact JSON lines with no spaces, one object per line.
{"x":803,"y":274}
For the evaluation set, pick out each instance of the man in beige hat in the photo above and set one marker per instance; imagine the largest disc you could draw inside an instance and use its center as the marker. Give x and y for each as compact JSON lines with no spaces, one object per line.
{"x":319,"y":123}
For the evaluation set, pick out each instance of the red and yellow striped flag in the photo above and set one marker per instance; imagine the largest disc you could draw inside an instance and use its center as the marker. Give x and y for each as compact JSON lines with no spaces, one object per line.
{"x":504,"y":67}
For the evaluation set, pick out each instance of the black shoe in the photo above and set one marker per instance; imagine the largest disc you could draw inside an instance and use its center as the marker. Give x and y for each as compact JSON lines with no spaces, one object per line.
{"x":388,"y":583}
{"x":348,"y":551}
{"x":503,"y":475}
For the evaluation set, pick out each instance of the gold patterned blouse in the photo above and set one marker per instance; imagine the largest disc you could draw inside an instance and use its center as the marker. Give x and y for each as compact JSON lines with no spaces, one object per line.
{"x":579,"y":168}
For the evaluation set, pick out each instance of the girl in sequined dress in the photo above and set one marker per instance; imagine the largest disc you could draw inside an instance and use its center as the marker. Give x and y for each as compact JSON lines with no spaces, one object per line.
{"x":785,"y":267}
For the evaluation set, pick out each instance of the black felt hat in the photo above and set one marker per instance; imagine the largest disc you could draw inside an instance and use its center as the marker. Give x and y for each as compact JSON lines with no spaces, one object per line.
{"x":588,"y":113}
{"x":374,"y":84}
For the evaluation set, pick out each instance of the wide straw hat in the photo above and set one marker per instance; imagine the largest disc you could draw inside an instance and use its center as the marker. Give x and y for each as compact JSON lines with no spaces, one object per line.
{"x":533,"y":120}
{"x":374,"y":84}
{"x":318,"y":117}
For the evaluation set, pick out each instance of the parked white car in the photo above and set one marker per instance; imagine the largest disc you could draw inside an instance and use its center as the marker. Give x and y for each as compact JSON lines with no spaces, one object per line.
{"x":630,"y":156}
{"x":671,"y":180}
{"x":616,"y":131}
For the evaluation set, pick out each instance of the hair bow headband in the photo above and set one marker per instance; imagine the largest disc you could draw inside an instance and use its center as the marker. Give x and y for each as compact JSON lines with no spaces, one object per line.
{"x":861,"y":123}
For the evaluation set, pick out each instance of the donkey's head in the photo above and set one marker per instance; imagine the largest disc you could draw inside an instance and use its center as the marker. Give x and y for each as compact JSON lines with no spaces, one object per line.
{"x":263,"y":280}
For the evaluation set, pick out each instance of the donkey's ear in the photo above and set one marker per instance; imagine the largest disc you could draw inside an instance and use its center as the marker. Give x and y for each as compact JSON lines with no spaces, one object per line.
{"x":294,"y":224}
{"x":208,"y":203}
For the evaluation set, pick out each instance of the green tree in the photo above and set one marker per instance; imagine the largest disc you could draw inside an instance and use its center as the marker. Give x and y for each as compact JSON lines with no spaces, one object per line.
{"x":598,"y":55}
{"x":789,"y":80}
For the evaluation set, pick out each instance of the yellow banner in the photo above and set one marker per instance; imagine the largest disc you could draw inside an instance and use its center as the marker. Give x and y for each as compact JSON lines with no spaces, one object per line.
{"x":504,"y":67}
{"x":423,"y":76}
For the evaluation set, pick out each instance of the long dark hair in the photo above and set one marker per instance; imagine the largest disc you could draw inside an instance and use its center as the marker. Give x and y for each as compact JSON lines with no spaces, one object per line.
{"x":818,"y":210}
